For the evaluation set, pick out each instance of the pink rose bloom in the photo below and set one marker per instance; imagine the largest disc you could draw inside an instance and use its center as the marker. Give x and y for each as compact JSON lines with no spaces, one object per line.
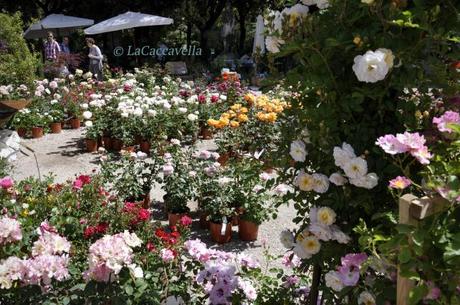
{"x":78,"y":184}
{"x":6,"y":182}
{"x":400,"y":183}
{"x":167,"y":255}
{"x":390,"y":144}
{"x":422,"y":155}
{"x":414,"y":141}
{"x":449,"y":117}
{"x":185,"y":221}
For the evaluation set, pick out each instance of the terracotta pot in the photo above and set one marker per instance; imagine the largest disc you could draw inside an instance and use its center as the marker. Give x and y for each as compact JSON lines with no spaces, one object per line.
{"x":37,"y":132}
{"x":22,"y":132}
{"x":145,"y":146}
{"x":206,"y":133}
{"x":216,"y":232}
{"x":146,"y":202}
{"x":235,"y":220}
{"x":174,"y":218}
{"x":75,"y":123}
{"x":56,"y":127}
{"x":107,"y":143}
{"x":117,"y":144}
{"x":137,"y":139}
{"x":91,"y":145}
{"x":247,"y":230}
{"x":204,"y":223}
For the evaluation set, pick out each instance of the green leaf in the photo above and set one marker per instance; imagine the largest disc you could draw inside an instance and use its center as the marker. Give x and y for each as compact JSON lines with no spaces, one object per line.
{"x":129,"y":290}
{"x":417,"y":294}
{"x":404,"y":255}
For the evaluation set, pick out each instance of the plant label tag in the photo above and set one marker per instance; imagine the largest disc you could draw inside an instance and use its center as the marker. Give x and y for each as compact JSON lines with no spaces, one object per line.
{"x":224,"y":226}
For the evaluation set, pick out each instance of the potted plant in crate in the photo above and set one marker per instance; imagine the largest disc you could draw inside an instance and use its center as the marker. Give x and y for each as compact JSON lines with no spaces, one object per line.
{"x":92,"y":135}
{"x":12,"y":99}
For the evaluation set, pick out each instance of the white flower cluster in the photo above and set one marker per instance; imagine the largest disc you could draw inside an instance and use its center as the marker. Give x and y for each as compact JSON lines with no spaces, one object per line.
{"x":315,"y":182}
{"x":355,"y":169}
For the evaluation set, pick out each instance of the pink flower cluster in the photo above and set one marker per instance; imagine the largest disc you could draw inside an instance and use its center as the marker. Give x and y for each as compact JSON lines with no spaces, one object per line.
{"x":412,"y":143}
{"x":81,"y":181}
{"x":10,"y":230}
{"x":108,"y":255}
{"x":49,"y":261}
{"x":219,"y":278}
{"x":6,"y":182}
{"x":449,"y":117}
{"x":348,"y":273}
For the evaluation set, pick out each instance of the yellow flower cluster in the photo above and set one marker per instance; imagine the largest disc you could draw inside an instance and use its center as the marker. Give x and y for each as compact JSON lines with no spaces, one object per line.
{"x":236,"y":115}
{"x":270,"y":108}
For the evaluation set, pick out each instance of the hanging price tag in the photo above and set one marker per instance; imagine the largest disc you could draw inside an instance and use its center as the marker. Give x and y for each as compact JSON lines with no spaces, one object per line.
{"x":224,"y":226}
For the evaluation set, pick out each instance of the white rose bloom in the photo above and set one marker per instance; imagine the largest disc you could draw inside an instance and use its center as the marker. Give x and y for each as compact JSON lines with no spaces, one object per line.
{"x":296,"y":10}
{"x":223,"y":97}
{"x":322,"y":232}
{"x":131,"y":239}
{"x":87,"y":115}
{"x":273,"y":44}
{"x":124,"y":114}
{"x":325,"y":216}
{"x":355,"y":168}
{"x":338,"y":179}
{"x":298,"y":151}
{"x":342,"y":155}
{"x":287,"y":239}
{"x":136,"y":271}
{"x":306,"y":246}
{"x":333,"y":281}
{"x":84,"y":106}
{"x":321,"y":4}
{"x":321,"y":183}
{"x":182,"y":109}
{"x":373,"y":66}
{"x":366,"y":298}
{"x":89,"y":123}
{"x":368,"y":181}
{"x":152,"y":112}
{"x":175,"y":142}
{"x":367,"y":1}
{"x":53,"y":102}
{"x":88,"y":75}
{"x":339,"y":236}
{"x":304,"y":181}
{"x":192,"y":117}
{"x":389,"y":57}
{"x":79,"y":72}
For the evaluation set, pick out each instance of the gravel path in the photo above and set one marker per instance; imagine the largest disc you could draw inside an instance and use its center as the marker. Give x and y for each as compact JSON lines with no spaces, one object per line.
{"x":64,"y":156}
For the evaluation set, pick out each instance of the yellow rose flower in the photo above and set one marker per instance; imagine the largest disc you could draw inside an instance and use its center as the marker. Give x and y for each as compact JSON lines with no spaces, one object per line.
{"x":242,"y":118}
{"x":234,"y":124}
{"x":326,"y":216}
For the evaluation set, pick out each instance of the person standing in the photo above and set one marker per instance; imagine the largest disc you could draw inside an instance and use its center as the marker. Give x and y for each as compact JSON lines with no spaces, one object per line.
{"x":51,"y":48}
{"x":95,"y":59}
{"x":65,"y":45}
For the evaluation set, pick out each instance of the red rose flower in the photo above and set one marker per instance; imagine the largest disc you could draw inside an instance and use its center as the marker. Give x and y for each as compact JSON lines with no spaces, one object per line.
{"x":143,"y":215}
{"x":102,"y":227}
{"x":89,"y":231}
{"x":150,"y":247}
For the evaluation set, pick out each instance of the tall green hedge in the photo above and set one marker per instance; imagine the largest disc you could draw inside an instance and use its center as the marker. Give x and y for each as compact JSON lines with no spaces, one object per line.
{"x":17,"y":63}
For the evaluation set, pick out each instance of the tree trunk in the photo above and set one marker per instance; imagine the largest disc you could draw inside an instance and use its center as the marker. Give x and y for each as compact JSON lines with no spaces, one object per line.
{"x":204,"y":43}
{"x":189,"y":34}
{"x":314,"y":290}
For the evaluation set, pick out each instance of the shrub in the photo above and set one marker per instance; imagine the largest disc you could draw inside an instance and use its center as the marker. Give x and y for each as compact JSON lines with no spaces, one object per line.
{"x":17,"y":63}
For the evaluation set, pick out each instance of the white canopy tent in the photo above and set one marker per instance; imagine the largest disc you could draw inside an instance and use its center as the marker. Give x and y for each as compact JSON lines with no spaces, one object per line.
{"x":58,"y":24}
{"x":127,"y":20}
{"x":259,"y":39}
